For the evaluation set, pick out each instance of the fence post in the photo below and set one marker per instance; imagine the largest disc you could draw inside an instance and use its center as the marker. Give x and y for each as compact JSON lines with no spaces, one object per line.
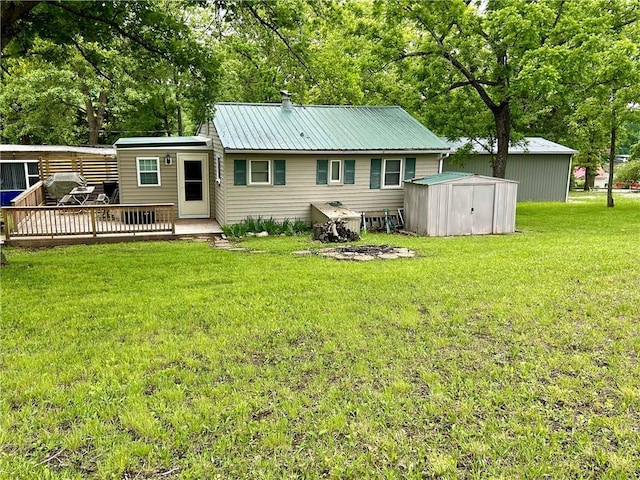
{"x":94,"y":229}
{"x":8,"y":222}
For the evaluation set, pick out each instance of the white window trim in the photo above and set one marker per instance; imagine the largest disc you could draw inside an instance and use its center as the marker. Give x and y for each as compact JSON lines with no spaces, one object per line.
{"x":269,"y":173}
{"x":157,"y":160}
{"x":384,"y":173}
{"x":340,"y":172}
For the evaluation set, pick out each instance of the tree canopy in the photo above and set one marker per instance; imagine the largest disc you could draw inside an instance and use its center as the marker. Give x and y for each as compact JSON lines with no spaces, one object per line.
{"x":89,"y":72}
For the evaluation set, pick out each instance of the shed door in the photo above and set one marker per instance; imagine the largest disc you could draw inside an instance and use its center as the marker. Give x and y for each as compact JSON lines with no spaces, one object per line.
{"x":482,"y":209}
{"x":193,"y":185}
{"x":461,"y":203}
{"x":471,"y":210}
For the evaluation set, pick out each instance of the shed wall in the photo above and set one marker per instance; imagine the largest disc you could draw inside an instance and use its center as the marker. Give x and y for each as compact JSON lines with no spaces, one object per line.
{"x":541,"y":178}
{"x":443,"y":209}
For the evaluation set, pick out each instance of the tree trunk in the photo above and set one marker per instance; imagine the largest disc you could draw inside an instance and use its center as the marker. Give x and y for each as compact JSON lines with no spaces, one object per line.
{"x":95,"y":116}
{"x":502,"y":118}
{"x":612,"y":156}
{"x":587,"y":177}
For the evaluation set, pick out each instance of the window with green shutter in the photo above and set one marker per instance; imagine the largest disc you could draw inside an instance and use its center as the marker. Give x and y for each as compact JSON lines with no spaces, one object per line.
{"x":349,"y":172}
{"x":239,"y":172}
{"x":322,"y":170}
{"x":376,"y":173}
{"x":409,"y":168}
{"x":279,"y":172}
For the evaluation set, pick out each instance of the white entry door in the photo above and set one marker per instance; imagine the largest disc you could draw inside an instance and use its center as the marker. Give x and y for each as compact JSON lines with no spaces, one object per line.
{"x":193,"y":185}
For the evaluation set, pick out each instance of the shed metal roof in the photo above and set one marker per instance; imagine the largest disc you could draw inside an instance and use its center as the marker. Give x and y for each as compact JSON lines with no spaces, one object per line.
{"x":440,"y":178}
{"x":451,"y":177}
{"x":531,"y":145}
{"x":270,"y":127}
{"x":146,"y":142}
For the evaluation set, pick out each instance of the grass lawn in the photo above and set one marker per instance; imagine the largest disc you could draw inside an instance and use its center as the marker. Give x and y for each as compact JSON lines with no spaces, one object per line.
{"x":486,"y":357}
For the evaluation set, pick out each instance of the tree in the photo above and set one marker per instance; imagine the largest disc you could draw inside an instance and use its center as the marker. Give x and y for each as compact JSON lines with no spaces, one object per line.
{"x":629,"y":172}
{"x":492,"y":68}
{"x":123,"y":55}
{"x":606,"y":60}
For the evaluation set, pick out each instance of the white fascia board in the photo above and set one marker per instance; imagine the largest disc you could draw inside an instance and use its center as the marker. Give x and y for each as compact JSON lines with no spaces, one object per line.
{"x":169,"y":147}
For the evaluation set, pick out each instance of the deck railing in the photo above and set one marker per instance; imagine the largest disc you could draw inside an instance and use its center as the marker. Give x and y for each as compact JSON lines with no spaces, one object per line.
{"x":32,"y":197}
{"x":90,"y":220}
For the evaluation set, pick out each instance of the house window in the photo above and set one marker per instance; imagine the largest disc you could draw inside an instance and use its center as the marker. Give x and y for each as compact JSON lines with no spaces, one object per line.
{"x":148,"y":171}
{"x":392,"y":173}
{"x":336,"y":171}
{"x":259,"y":172}
{"x":18,"y":175}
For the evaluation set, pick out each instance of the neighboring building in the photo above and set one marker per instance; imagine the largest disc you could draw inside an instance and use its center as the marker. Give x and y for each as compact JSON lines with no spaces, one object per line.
{"x":541,"y":167}
{"x":275,"y":160}
{"x":21,"y":166}
{"x":601,"y":180}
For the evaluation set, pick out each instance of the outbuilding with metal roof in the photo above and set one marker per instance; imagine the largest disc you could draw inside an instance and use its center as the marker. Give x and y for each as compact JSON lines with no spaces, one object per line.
{"x":541,"y":167}
{"x":459,"y":203}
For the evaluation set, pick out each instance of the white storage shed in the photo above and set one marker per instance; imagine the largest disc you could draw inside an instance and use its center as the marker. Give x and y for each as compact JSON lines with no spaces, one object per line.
{"x":456,"y":203}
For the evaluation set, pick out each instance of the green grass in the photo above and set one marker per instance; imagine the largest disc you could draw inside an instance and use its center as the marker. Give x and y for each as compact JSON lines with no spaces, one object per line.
{"x":510,"y":356}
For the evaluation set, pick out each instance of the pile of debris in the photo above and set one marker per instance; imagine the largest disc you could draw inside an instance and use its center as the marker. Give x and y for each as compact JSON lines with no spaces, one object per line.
{"x":334,"y":231}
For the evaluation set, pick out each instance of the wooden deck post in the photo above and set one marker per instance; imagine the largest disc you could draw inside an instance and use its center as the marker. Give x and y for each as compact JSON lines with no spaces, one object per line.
{"x":8,"y":222}
{"x":94,"y":228}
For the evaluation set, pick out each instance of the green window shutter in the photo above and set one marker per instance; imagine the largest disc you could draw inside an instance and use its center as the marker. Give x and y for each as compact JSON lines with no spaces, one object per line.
{"x":409,"y":168}
{"x":349,"y":172}
{"x":322,"y":169}
{"x":376,"y":173}
{"x":279,"y":172}
{"x":239,"y":172}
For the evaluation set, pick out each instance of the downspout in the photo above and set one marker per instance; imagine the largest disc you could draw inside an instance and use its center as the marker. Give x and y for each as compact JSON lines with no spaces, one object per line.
{"x":441,"y":163}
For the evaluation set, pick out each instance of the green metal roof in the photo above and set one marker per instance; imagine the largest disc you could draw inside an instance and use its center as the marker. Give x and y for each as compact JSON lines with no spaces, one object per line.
{"x":450,"y":177}
{"x":271,"y":127}
{"x":142,"y":142}
{"x":440,"y":178}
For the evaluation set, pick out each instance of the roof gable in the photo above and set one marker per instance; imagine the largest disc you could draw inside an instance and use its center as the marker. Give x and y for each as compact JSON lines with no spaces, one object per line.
{"x":270,"y":127}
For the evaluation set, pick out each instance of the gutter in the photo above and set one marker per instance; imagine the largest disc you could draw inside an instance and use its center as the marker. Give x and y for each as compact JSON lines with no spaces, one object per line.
{"x":336,"y":152}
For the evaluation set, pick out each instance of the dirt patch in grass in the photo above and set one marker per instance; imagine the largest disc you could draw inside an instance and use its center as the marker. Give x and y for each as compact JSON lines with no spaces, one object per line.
{"x":367,"y":252}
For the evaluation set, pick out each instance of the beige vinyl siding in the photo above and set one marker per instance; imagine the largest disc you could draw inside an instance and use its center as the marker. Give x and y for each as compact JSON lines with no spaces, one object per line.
{"x":541,"y":177}
{"x":293,"y":200}
{"x":217,"y":191}
{"x":167,"y":192}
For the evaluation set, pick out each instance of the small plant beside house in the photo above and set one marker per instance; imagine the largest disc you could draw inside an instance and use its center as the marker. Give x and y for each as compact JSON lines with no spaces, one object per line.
{"x":255,"y":225}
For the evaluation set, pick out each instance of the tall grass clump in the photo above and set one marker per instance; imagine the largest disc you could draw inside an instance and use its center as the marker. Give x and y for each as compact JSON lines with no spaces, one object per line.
{"x":252,"y":225}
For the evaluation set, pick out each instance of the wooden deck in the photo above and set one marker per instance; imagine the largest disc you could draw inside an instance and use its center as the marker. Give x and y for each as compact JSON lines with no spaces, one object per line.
{"x":47,"y":226}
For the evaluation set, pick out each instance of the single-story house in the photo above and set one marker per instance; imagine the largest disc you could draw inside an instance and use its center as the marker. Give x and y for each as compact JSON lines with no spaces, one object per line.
{"x":542,"y":168}
{"x":21,"y":166}
{"x":275,"y":160}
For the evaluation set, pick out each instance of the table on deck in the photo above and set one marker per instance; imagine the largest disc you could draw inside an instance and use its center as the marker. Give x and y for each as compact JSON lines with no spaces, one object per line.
{"x":80,"y":195}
